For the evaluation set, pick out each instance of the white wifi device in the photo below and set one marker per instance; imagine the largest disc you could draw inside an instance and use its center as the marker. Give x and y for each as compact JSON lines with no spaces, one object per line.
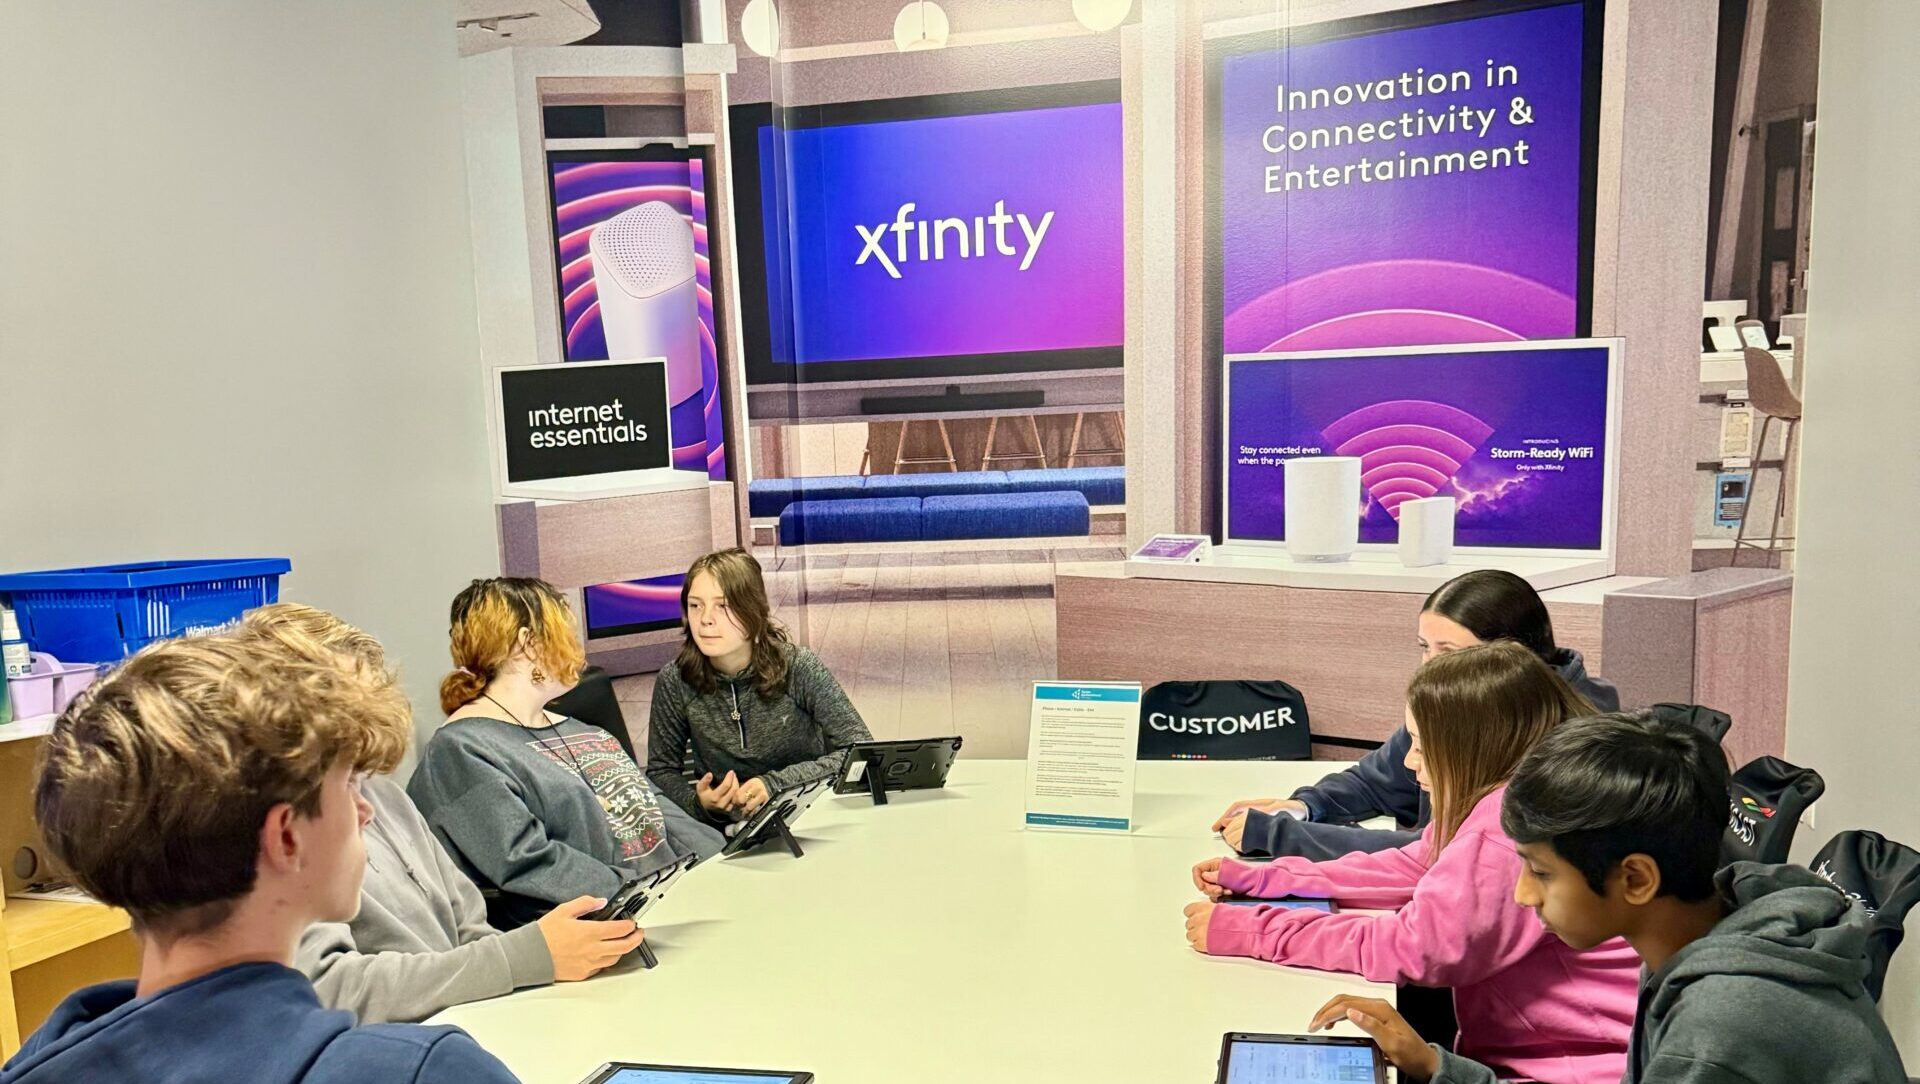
{"x":1323,"y":507}
{"x":643,"y":275}
{"x":1426,"y":531}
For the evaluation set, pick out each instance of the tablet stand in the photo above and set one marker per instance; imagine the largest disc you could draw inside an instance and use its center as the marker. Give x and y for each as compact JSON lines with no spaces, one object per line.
{"x":876,"y":782}
{"x":779,"y":825}
{"x":776,"y":827}
{"x":647,"y":958}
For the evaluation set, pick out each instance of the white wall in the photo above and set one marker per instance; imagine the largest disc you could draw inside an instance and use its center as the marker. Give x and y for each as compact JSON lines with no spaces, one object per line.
{"x":236,"y":301}
{"x":1856,"y":623}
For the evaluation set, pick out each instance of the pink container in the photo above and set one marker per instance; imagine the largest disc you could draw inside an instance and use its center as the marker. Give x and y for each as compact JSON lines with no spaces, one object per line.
{"x":50,"y":686}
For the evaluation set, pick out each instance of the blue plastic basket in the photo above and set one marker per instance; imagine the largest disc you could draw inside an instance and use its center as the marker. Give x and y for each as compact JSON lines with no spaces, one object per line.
{"x":105,"y":613}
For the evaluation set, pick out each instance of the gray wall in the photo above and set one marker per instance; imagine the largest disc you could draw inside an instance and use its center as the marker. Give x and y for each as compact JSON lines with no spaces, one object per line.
{"x":1856,"y":627}
{"x":236,"y":301}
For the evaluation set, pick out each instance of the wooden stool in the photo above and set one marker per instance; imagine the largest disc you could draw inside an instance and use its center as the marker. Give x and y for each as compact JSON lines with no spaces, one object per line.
{"x":1772,"y":397}
{"x":1074,"y":451}
{"x":901,"y":459}
{"x":1039,"y":449}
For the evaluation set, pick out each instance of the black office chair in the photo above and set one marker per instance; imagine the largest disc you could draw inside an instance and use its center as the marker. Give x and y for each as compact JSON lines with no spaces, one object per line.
{"x":1715,"y":723}
{"x":592,"y":701}
{"x":1769,"y":795}
{"x":1883,"y":878}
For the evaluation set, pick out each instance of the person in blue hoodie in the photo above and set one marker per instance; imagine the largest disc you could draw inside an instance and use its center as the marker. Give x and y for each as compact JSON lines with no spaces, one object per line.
{"x":1754,"y":974}
{"x":209,"y":787}
{"x":1318,"y":822}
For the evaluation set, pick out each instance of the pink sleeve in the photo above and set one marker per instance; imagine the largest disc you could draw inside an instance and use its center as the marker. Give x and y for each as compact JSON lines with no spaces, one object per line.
{"x":1460,"y":926}
{"x":1381,"y":879}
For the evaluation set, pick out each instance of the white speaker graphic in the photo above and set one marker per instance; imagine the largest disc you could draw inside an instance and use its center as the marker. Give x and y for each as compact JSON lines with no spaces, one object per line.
{"x":1323,"y":507}
{"x":1426,"y":531}
{"x":643,"y":275}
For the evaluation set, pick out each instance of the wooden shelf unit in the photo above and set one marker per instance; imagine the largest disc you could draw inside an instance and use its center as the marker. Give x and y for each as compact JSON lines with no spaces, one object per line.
{"x":52,"y":948}
{"x":39,"y":930}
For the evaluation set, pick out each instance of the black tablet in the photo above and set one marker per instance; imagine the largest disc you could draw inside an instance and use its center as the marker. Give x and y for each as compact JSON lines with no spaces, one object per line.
{"x":875,"y":767}
{"x":638,"y":895}
{"x":771,"y":821}
{"x":627,"y":1072}
{"x":1300,"y":1059}
{"x":1297,"y":903}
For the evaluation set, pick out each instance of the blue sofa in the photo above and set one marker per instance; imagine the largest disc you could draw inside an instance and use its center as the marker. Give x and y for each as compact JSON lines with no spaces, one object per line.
{"x":768,"y":497}
{"x":863,"y":519}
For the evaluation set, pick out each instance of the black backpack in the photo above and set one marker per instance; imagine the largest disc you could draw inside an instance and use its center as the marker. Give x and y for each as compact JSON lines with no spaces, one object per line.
{"x":1715,"y":723}
{"x":1224,"y":720}
{"x":1769,"y":795}
{"x":1883,"y":879}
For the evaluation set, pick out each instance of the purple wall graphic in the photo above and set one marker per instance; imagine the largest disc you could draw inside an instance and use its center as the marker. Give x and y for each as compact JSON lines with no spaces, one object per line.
{"x":1360,"y":251}
{"x":1407,"y":448}
{"x":651,"y":602}
{"x":1517,"y":436}
{"x":586,"y":194}
{"x":989,"y":233}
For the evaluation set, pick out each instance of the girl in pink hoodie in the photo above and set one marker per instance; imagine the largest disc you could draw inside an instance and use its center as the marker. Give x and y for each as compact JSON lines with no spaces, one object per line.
{"x":1528,"y":1005}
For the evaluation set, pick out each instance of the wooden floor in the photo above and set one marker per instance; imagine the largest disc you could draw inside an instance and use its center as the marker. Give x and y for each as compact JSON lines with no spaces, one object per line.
{"x":926,"y":644}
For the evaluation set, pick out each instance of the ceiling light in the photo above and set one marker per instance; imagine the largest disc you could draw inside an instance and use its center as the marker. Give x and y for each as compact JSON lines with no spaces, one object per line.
{"x":1101,"y":16}
{"x":920,"y":25}
{"x":760,"y":27}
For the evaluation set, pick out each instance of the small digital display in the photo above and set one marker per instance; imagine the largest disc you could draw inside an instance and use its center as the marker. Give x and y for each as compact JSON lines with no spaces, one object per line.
{"x":1253,"y":1062}
{"x":691,"y":1076}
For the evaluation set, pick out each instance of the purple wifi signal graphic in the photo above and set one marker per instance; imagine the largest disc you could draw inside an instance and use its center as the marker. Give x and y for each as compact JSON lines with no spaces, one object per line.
{"x":1407,"y":447}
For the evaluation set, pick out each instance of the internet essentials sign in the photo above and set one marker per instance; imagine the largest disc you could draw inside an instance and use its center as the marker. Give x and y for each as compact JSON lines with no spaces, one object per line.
{"x":584,"y":418}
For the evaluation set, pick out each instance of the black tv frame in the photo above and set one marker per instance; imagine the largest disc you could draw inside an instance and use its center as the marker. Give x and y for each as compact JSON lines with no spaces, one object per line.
{"x":757,"y":333}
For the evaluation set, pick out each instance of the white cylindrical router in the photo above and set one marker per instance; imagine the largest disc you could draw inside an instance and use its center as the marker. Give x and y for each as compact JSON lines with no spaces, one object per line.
{"x":1426,"y":531}
{"x":1323,"y":507}
{"x":643,"y":274}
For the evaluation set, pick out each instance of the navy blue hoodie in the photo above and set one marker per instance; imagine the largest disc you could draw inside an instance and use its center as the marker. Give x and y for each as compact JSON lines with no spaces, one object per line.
{"x":1378,"y":785}
{"x":258,"y":1022}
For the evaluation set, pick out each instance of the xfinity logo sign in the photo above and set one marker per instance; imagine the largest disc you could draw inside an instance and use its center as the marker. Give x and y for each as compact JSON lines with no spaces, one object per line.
{"x":966,"y":238}
{"x":1224,"y":726}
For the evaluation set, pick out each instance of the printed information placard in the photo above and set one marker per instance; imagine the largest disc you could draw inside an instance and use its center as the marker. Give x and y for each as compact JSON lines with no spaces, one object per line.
{"x":1080,"y":755}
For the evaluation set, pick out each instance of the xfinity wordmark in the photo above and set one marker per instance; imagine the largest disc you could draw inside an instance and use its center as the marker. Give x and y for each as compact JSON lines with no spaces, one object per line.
{"x":969,"y":237}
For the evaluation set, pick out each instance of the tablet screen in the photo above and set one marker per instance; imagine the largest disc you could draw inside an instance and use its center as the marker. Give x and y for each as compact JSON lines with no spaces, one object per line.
{"x":1302,"y":905}
{"x":691,"y":1076}
{"x":1253,"y":1062}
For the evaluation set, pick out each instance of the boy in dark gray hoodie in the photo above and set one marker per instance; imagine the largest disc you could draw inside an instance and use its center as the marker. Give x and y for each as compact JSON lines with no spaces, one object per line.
{"x":1752,"y":976}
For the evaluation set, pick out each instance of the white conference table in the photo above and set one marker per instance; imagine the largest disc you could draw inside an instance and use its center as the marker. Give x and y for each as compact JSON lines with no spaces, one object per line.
{"x":933,"y":940}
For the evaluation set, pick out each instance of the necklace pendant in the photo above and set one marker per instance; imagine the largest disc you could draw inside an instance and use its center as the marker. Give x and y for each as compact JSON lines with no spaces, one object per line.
{"x":736,"y":715}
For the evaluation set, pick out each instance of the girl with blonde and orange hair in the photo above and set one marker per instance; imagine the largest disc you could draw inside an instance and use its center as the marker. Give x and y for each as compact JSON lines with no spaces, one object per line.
{"x":537,"y":806}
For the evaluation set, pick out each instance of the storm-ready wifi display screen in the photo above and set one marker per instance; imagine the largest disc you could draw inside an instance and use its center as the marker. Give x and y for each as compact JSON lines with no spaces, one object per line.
{"x":1517,"y":436}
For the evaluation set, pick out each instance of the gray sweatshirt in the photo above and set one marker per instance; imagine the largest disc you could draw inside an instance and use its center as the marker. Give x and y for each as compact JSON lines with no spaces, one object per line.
{"x":1772,"y":995}
{"x":794,"y":738}
{"x":545,"y":814}
{"x":421,"y":942}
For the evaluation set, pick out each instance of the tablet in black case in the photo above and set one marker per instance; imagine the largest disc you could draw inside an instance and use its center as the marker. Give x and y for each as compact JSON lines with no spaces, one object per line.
{"x":628,"y":1072}
{"x":1247,"y":1058}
